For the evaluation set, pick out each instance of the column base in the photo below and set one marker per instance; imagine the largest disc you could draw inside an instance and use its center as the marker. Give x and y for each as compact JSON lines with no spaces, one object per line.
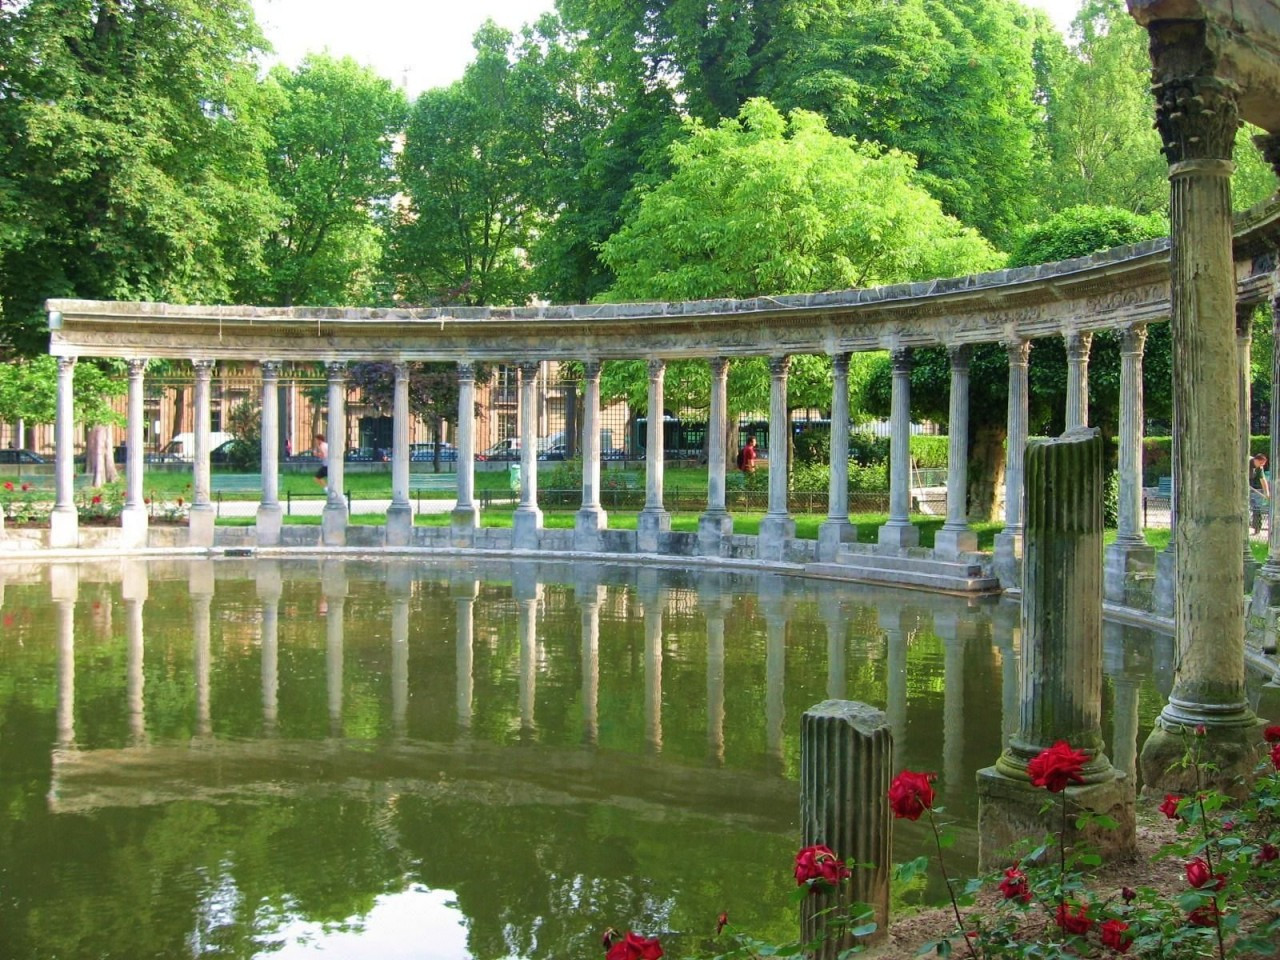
{"x":1264,"y":609}
{"x":526,"y":525}
{"x":1232,"y":742}
{"x":898,"y":535}
{"x":950,"y":542}
{"x":832,"y":535}
{"x":587,"y":525}
{"x":269,"y":520}
{"x":399,"y":525}
{"x":133,"y":527}
{"x":64,"y":527}
{"x":333,"y":525}
{"x":651,"y":522}
{"x":775,"y":531}
{"x":1162,"y":595}
{"x":1008,"y":559}
{"x":200,"y":525}
{"x":1128,"y":573}
{"x":713,"y":527}
{"x":1011,"y":810}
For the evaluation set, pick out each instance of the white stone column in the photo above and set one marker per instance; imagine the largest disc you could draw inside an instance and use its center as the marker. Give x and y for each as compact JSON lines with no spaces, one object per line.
{"x":1266,"y":585}
{"x":1244,"y":341}
{"x":654,"y":519}
{"x":200,"y":520}
{"x":956,"y":536}
{"x":1078,"y":344}
{"x":899,"y":532}
{"x":133,"y":518}
{"x":777,"y":526}
{"x":836,"y":530}
{"x":591,"y":518}
{"x":466,"y":514}
{"x":715,"y":523}
{"x":526,"y":522}
{"x":1129,"y":555}
{"x":64,"y":520}
{"x":399,"y":512}
{"x":270,"y":517}
{"x":333,"y":522}
{"x":1008,"y":552}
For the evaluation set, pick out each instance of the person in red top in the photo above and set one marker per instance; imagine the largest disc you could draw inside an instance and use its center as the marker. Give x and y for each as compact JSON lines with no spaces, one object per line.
{"x":747,"y":456}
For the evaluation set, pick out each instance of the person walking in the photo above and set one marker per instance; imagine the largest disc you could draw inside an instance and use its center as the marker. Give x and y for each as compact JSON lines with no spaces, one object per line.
{"x":747,"y":456}
{"x":1259,"y":490}
{"x":320,"y":447}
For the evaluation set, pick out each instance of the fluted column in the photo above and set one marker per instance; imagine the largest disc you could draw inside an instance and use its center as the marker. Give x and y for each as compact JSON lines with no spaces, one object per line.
{"x":270,"y":516}
{"x":1008,"y":552}
{"x":333,"y":523}
{"x":270,"y":588}
{"x":399,"y":511}
{"x":133,"y":518}
{"x":1129,"y":556}
{"x":526,"y":522}
{"x":591,"y":517}
{"x":836,"y":530}
{"x":1197,"y":117}
{"x":1078,"y":344}
{"x":715,"y":523}
{"x":64,"y":521}
{"x":653,"y":519}
{"x":201,"y":517}
{"x":1244,"y":342}
{"x":899,"y":531}
{"x":466,"y":514}
{"x":956,"y":536}
{"x":1266,"y":585}
{"x":777,"y":526}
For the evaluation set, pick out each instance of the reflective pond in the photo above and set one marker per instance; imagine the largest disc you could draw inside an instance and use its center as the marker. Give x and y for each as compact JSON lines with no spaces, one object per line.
{"x":242,"y":758}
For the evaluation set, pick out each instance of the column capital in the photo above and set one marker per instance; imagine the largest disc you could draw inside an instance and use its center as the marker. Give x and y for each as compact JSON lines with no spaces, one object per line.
{"x":1078,"y":343}
{"x":719,"y":366}
{"x":901,"y":357}
{"x":466,"y":371}
{"x":959,"y":354}
{"x":778,"y":366}
{"x":203,"y":368}
{"x":1244,"y":317}
{"x":1019,"y":352}
{"x":336,"y":370}
{"x":529,"y":369}
{"x":1197,"y":117}
{"x":66,"y":363}
{"x":400,"y":370}
{"x":1268,"y":145}
{"x":657,"y":368}
{"x":136,"y":366}
{"x":591,"y":369}
{"x":270,"y":369}
{"x":1133,"y":340}
{"x":840,"y":364}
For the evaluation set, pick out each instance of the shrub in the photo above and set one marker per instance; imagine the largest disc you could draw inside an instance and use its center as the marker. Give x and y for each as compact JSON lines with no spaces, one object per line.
{"x":813,"y":445}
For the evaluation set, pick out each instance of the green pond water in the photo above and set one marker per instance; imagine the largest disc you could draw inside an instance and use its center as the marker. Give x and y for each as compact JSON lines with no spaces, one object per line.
{"x":242,"y":758}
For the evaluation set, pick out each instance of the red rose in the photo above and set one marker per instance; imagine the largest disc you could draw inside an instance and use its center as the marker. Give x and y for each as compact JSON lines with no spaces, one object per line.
{"x":1200,"y":730}
{"x":8,"y":485}
{"x":1014,"y":886}
{"x":1272,"y":734}
{"x":722,"y":921}
{"x":1198,"y":874}
{"x":1128,"y":894}
{"x":1116,"y":935}
{"x":26,"y":487}
{"x":179,"y":501}
{"x":1057,"y":766}
{"x":635,"y":947}
{"x":1074,"y":923}
{"x":1275,"y":756}
{"x":1204,"y":916}
{"x":96,"y":500}
{"x":819,"y":863}
{"x":1170,"y":806}
{"x":1267,"y":852}
{"x":910,"y":794}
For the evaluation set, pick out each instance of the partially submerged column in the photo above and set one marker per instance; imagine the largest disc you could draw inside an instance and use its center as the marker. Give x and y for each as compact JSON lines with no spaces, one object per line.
{"x":591,"y":517}
{"x":899,"y":532}
{"x":270,"y":516}
{"x":526,"y":522}
{"x":1078,"y":344}
{"x":836,"y":530}
{"x":200,"y":520}
{"x":716,"y":523}
{"x":64,"y":520}
{"x":1008,"y":552}
{"x":1061,"y":683}
{"x":1197,"y":115}
{"x":1244,"y":341}
{"x":654,"y":519}
{"x":1129,"y":562}
{"x":399,"y":511}
{"x":776,"y":527}
{"x":846,"y":766}
{"x":333,"y":523}
{"x":956,"y":536}
{"x":133,"y":518}
{"x":1265,"y":601}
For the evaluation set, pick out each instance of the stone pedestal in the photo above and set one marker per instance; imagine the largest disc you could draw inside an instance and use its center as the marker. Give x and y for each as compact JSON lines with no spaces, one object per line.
{"x":832,"y":535}
{"x":949,"y":544}
{"x":1264,"y":607}
{"x":846,"y":765}
{"x":526,"y":527}
{"x":399,"y":525}
{"x":587,"y":526}
{"x":774,"y":533}
{"x":200,"y":525}
{"x":1128,"y":573}
{"x":1007,"y":562}
{"x":268,"y":523}
{"x":333,"y":525}
{"x":712,"y":530}
{"x":133,"y":528}
{"x":1163,"y":591}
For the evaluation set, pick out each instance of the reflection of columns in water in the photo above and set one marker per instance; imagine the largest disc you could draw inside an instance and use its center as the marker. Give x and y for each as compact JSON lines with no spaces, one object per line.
{"x":63,"y":590}
{"x":948,"y":629}
{"x":653,"y":670}
{"x":590,"y":596}
{"x":1006,"y":628}
{"x":1124,"y":704}
{"x":526,"y":626}
{"x":135,"y":684}
{"x":267,"y":574}
{"x":837,"y":631}
{"x":334,"y":588}
{"x":715,"y":684}
{"x":400,"y":665}
{"x":201,"y":604}
{"x":890,"y":621}
{"x":464,"y":603}
{"x":772,"y":604}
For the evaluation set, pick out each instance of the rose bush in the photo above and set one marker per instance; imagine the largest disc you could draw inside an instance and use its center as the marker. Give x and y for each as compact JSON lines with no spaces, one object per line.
{"x":818,"y":865}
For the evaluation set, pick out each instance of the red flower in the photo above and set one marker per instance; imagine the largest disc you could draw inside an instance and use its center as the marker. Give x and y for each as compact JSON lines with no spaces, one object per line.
{"x":1128,"y":894}
{"x":1116,"y":935}
{"x":1204,"y":916}
{"x":8,"y":485}
{"x":819,"y":863}
{"x":1275,"y":755}
{"x":1200,"y":730}
{"x":1266,"y":853}
{"x":179,"y":501}
{"x":722,"y":921}
{"x":1057,"y":766}
{"x":635,"y":947}
{"x":1199,"y":874}
{"x":606,"y":940}
{"x":1170,"y":806}
{"x":910,"y":794}
{"x":96,"y":500}
{"x":147,"y":501}
{"x":26,"y":487}
{"x":1074,"y":923}
{"x":1014,"y":886}
{"x":1272,"y":734}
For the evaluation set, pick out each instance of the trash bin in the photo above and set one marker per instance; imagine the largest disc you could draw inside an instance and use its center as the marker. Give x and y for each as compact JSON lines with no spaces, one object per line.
{"x":513,"y":477}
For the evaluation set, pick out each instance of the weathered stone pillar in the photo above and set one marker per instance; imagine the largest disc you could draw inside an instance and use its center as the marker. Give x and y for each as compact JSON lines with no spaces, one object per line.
{"x":956,"y":536}
{"x":133,"y":518}
{"x":1244,"y":342}
{"x":1129,"y":557}
{"x":333,"y":523}
{"x":654,"y":519}
{"x":333,"y":588}
{"x":400,"y":512}
{"x":1265,"y":601}
{"x":716,"y":523}
{"x":64,"y":520}
{"x":200,"y":587}
{"x":1078,"y":344}
{"x":465,"y":592}
{"x":590,"y":593}
{"x":1061,"y":684}
{"x":1008,"y":552}
{"x":270,"y":587}
{"x":777,"y":526}
{"x":1197,"y":115}
{"x":133,"y":591}
{"x":846,"y":766}
{"x":466,"y":514}
{"x":526,"y":522}
{"x":899,"y":532}
{"x":591,"y":518}
{"x":64,"y":589}
{"x":270,"y":516}
{"x":200,"y":520}
{"x":836,"y":530}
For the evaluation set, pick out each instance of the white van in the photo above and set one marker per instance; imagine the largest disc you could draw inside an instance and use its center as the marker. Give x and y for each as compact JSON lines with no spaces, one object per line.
{"x":183,"y":445}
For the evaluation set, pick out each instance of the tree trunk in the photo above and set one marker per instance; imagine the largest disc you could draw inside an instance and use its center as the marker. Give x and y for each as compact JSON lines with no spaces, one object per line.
{"x":986,"y":472}
{"x":179,"y":411}
{"x":99,"y":463}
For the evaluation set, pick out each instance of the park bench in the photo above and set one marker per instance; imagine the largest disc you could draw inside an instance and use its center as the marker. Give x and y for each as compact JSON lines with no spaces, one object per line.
{"x":235,"y":483}
{"x":1164,"y":487}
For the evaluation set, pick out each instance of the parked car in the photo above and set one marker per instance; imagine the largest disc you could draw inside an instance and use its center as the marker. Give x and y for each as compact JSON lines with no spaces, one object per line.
{"x":20,"y":456}
{"x":427,"y":452}
{"x":183,"y":446}
{"x":508,"y":449}
{"x":557,"y":452}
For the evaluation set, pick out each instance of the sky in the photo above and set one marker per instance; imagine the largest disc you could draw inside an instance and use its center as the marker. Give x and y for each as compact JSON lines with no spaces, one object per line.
{"x":423,"y":43}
